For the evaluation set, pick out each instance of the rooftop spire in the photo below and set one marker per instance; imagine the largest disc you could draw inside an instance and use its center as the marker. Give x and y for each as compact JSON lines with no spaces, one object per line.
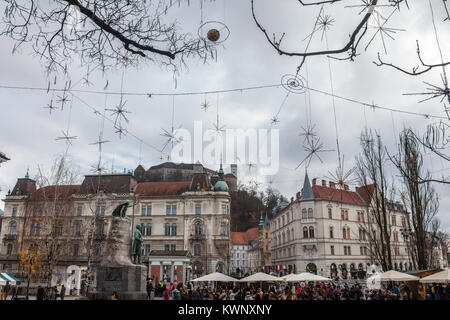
{"x":307,"y":193}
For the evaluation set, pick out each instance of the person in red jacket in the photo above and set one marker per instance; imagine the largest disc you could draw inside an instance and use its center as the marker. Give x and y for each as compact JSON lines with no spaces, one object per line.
{"x":166,"y":294}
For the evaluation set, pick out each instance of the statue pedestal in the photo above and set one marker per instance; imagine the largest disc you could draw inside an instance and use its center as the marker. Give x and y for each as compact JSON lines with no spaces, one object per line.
{"x":128,"y":282}
{"x":116,"y":272}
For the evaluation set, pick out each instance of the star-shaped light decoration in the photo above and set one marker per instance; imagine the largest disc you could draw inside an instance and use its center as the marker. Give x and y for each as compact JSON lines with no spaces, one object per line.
{"x":63,"y":99}
{"x":342,"y":177}
{"x":172,"y":136}
{"x":382,"y":30}
{"x":308,"y":133}
{"x":250,"y":166}
{"x":98,"y":168}
{"x":217,"y":127}
{"x":434,"y":92}
{"x":205,"y":105}
{"x":366,"y":6}
{"x":99,"y":142}
{"x":274,"y":121}
{"x":313,"y":147}
{"x":121,"y":131}
{"x":86,"y":82}
{"x":120,"y":112}
{"x":323,"y":23}
{"x":67,"y":137}
{"x":50,"y":107}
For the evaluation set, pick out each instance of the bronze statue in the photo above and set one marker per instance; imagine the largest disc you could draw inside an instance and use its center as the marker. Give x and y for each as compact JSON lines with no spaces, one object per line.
{"x":136,"y":249}
{"x":121,"y":209}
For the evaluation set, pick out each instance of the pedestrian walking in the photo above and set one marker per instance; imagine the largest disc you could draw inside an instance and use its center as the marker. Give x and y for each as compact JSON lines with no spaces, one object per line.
{"x":63,"y":292}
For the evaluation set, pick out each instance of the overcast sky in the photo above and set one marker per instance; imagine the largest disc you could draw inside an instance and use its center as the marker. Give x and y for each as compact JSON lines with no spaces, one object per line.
{"x":28,"y":131}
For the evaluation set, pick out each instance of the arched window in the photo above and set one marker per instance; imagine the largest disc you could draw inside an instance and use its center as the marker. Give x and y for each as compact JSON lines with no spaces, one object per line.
{"x":311,"y":232}
{"x":292,"y":234}
{"x":331,"y":232}
{"x":310,"y":213}
{"x":198,"y":226}
{"x":12,"y":228}
{"x":284,"y":238}
{"x":344,"y":233}
{"x":330,"y":213}
{"x":348,"y":234}
{"x":305,"y":232}
{"x":288,"y":236}
{"x":304,"y":214}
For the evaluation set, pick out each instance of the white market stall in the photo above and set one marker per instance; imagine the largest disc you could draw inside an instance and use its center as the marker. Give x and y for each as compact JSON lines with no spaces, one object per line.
{"x":439,"y":277}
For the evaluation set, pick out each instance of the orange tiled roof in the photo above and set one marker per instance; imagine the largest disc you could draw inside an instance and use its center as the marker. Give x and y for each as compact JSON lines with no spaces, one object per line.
{"x":244,"y":237}
{"x":162,"y":188}
{"x":322,"y":192}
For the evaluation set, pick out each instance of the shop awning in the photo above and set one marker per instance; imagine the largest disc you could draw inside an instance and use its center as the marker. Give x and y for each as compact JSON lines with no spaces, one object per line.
{"x":8,"y":278}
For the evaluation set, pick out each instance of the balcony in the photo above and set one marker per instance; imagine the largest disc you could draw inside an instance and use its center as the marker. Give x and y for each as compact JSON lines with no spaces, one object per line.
{"x":197,"y":237}
{"x":100,"y":236}
{"x":10,"y":237}
{"x":308,"y":220}
{"x":309,"y":243}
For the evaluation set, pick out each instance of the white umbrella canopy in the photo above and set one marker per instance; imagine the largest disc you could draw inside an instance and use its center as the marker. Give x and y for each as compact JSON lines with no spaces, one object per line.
{"x":305,"y":276}
{"x":260,"y":277}
{"x":216,"y":276}
{"x":393,"y":275}
{"x":439,"y":277}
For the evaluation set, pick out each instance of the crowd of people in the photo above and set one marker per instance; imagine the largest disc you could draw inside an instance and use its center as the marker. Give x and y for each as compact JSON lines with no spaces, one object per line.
{"x":305,"y":291}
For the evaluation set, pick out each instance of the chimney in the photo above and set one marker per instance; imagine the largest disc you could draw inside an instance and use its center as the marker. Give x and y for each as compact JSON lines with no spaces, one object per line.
{"x":332,"y":185}
{"x":324,"y":183}
{"x":346,"y":187}
{"x":298,"y":195}
{"x":314,"y":181}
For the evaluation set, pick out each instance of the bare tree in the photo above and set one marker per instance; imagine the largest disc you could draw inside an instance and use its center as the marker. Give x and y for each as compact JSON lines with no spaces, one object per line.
{"x":371,"y":174}
{"x":103,"y":33}
{"x":419,"y":195}
{"x":46,"y":226}
{"x":349,"y":50}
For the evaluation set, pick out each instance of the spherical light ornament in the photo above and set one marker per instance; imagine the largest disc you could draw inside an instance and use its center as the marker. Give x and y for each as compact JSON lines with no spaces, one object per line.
{"x":213,"y":35}
{"x":214,"y":32}
{"x":293,"y":83}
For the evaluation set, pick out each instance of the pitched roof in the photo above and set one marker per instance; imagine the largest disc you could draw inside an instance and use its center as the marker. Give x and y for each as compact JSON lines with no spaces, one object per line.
{"x":244,"y":237}
{"x":366,"y":192}
{"x":50,"y":192}
{"x":307,"y":193}
{"x":333,"y":194}
{"x":162,"y":188}
{"x":109,"y":183}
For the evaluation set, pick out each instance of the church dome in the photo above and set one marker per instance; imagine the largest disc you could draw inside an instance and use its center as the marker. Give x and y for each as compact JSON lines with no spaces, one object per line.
{"x":221,"y":186}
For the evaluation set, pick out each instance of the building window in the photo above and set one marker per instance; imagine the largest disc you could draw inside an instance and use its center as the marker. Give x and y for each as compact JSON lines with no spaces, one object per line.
{"x":147,"y":249}
{"x":79,"y":211}
{"x":344,"y":214}
{"x":98,"y":250}
{"x":100,"y":211}
{"x":331,"y":232}
{"x":167,"y":247}
{"x":223,"y":229}
{"x":174,"y":229}
{"x":12,"y":229}
{"x":361,"y":249}
{"x":148,"y":229}
{"x":78,"y":229}
{"x":395,"y":236}
{"x":198,"y":208}
{"x":394,"y":220}
{"x":332,"y":250}
{"x":196,"y":250}
{"x":173,"y":247}
{"x":146,"y":210}
{"x":305,"y":232}
{"x":311,"y":232}
{"x":76,"y":249}
{"x":167,"y":229}
{"x":9,"y":249}
{"x":310,"y":213}
{"x":14,"y":212}
{"x":198,"y":229}
{"x":330,"y":213}
{"x":224,"y":209}
{"x":100,"y":227}
{"x":171,"y":209}
{"x":304,"y":214}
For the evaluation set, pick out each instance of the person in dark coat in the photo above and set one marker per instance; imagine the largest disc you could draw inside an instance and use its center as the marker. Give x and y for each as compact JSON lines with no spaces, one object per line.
{"x":149,"y":289}
{"x":40,"y":293}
